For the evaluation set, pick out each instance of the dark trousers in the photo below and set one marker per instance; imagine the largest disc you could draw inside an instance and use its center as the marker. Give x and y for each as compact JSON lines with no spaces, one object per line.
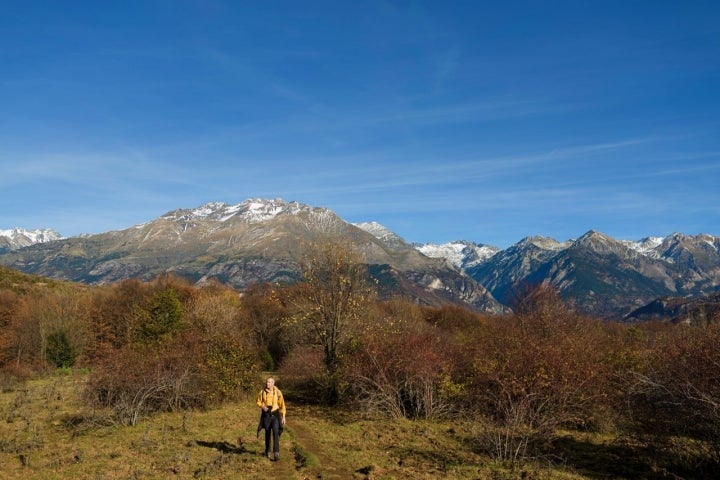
{"x":271,"y":424}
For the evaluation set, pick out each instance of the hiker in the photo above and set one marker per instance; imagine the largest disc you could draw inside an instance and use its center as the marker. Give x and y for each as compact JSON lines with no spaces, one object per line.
{"x":272,"y":417}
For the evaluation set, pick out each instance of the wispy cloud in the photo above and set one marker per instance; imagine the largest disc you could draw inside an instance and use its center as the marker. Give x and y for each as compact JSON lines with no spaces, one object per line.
{"x":412,"y":112}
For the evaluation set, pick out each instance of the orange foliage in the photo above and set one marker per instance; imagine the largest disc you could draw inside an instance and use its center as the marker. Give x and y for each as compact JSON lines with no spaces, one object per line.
{"x":543,"y":368}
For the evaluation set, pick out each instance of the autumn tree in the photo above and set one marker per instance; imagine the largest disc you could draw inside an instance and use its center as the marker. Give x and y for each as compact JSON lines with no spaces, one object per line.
{"x":46,"y":314}
{"x":184,"y":349}
{"x":112,"y":315}
{"x":331,"y":302}
{"x":263,"y":309}
{"x":161,"y":316}
{"x":228,"y":356}
{"x":9,"y":301}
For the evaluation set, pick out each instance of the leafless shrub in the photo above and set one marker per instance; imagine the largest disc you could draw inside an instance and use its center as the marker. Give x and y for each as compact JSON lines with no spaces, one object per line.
{"x":82,"y":423}
{"x":542,"y":370}
{"x":188,"y":371}
{"x":133,"y":396}
{"x":508,"y":440}
{"x":140,"y":380}
{"x":403,"y":370}
{"x":13,"y":376}
{"x":522,"y":420}
{"x":676,"y":392}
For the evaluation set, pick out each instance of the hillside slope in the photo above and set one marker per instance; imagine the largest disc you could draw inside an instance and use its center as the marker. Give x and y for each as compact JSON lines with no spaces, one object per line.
{"x":252,"y":242}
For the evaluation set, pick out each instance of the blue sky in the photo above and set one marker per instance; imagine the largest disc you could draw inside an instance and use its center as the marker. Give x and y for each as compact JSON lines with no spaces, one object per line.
{"x":478,"y":120}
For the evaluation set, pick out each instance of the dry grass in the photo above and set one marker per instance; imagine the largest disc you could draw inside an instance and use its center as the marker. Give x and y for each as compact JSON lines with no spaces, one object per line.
{"x":45,"y":433}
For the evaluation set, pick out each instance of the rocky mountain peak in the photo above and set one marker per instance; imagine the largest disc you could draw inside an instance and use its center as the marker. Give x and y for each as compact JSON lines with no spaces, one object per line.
{"x":593,"y":236}
{"x":383,"y":234}
{"x":20,"y":237}
{"x":460,"y":254}
{"x":600,"y":243}
{"x":540,"y":242}
{"x":250,"y":211}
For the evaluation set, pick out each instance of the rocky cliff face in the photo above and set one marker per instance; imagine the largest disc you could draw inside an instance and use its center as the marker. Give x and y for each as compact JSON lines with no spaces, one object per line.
{"x":694,"y":310}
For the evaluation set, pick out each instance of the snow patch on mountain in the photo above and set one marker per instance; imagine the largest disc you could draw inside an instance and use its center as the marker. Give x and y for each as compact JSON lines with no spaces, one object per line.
{"x":710,"y":240}
{"x":382,"y":233}
{"x":546,"y":243}
{"x":257,"y":210}
{"x":253,"y":210}
{"x":20,"y":237}
{"x":461,"y":255}
{"x":375,"y":229}
{"x":646,"y":246}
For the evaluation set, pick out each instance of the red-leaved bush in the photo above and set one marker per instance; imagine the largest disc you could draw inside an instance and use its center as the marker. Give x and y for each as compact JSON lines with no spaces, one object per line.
{"x":403,"y":370}
{"x":536,"y":371}
{"x":676,"y":391}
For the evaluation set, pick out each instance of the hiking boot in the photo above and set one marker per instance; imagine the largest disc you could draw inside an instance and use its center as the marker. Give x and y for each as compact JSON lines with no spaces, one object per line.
{"x":269,"y":455}
{"x":277,"y":456}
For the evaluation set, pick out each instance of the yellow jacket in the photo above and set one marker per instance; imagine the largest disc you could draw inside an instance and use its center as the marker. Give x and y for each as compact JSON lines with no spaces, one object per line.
{"x":274,"y":399}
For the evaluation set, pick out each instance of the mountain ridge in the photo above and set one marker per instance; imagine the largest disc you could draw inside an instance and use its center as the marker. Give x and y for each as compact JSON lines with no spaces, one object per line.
{"x":603,"y":275}
{"x":262,"y":240}
{"x":255,"y":241}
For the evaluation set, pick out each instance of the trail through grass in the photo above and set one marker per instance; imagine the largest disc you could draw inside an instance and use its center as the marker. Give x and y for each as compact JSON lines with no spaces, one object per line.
{"x":46,"y":433}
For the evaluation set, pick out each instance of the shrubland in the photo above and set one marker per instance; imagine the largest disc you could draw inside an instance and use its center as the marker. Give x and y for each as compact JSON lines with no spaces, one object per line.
{"x":542,"y":390}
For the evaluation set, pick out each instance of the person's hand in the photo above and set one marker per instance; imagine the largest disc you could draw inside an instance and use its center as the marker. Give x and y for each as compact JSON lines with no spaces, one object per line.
{"x":283,"y":420}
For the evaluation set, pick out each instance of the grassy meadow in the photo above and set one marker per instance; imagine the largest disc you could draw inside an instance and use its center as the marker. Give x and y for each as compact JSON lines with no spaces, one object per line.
{"x":46,"y":433}
{"x":157,"y":380}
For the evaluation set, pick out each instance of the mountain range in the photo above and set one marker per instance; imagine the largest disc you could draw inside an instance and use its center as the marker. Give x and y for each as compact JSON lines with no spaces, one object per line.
{"x":262,"y":240}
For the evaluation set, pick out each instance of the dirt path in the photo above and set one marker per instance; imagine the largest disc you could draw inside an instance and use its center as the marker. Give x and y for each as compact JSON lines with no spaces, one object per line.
{"x":326,"y":468}
{"x":301,"y":437}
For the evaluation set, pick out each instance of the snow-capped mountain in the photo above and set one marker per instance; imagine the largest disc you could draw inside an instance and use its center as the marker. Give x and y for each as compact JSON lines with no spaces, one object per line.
{"x":383,"y":234}
{"x":253,"y":210}
{"x":647,"y":246}
{"x":252,"y":242}
{"x":262,"y":240}
{"x":19,"y":237}
{"x":461,"y":255}
{"x":604,"y":276}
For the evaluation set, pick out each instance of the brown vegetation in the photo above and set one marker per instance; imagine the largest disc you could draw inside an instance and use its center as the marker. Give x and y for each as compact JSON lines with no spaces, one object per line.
{"x":519,"y":384}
